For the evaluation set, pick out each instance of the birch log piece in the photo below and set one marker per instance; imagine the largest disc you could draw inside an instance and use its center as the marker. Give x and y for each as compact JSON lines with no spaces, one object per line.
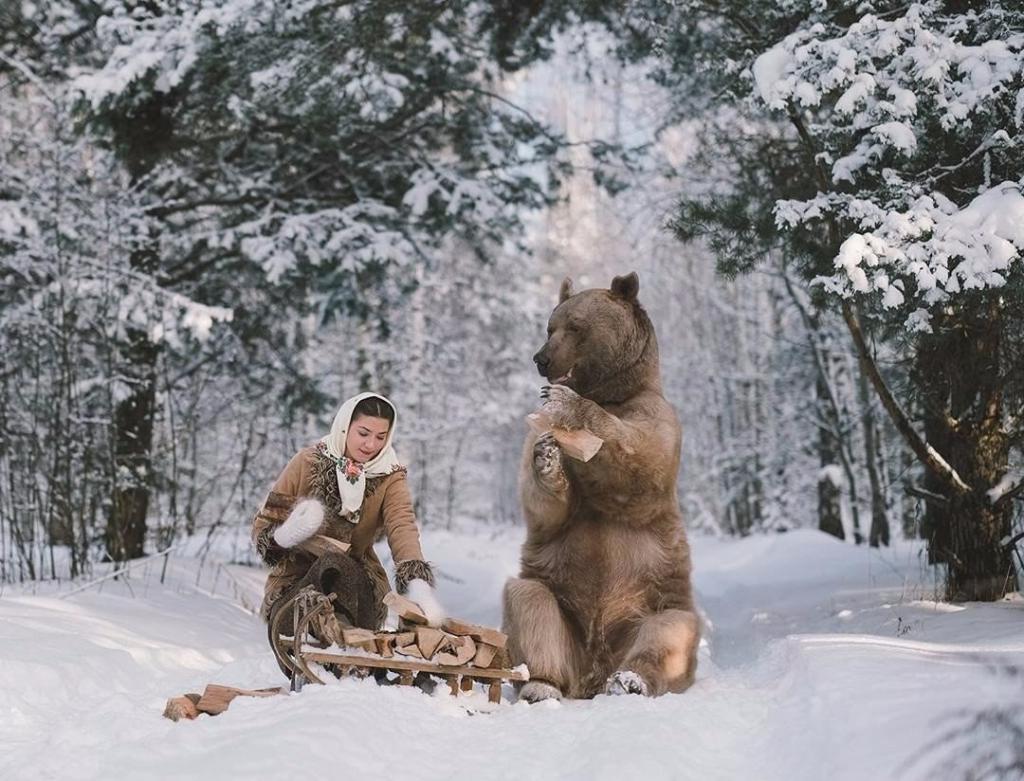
{"x":485,"y":655}
{"x":579,"y":444}
{"x":482,"y":633}
{"x":405,"y":608}
{"x":183,"y":707}
{"x":410,"y":649}
{"x":463,"y":649}
{"x":216,"y":698}
{"x":428,"y":640}
{"x":360,"y":638}
{"x":385,"y":645}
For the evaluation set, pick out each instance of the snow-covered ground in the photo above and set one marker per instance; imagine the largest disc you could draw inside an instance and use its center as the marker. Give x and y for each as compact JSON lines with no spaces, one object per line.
{"x":823,"y":661}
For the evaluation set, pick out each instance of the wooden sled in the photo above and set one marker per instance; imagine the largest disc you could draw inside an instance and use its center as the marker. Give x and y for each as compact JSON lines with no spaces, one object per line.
{"x":296,"y":649}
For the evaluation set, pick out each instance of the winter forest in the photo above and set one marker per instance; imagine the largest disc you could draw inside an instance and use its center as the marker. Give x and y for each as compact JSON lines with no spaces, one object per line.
{"x":221,"y":218}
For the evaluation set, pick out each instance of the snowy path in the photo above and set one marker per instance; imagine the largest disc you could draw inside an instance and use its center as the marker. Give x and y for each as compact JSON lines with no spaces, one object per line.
{"x":823,"y":662}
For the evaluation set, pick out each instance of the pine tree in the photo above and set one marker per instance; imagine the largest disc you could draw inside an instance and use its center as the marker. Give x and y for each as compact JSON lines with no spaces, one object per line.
{"x":902,"y":119}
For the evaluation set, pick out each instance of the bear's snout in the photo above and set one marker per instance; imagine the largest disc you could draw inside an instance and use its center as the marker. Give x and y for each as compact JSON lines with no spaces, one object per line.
{"x":543,"y":362}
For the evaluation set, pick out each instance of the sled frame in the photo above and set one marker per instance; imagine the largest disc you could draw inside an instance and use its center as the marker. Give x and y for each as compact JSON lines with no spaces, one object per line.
{"x":295,"y":655}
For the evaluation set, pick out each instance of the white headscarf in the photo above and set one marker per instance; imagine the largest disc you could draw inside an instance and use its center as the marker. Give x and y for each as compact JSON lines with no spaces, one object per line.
{"x":352,"y":475}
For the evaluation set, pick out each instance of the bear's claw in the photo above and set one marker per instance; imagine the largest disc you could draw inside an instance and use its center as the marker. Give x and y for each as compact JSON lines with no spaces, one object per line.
{"x":625,"y":682}
{"x":564,"y":406}
{"x":547,"y":456}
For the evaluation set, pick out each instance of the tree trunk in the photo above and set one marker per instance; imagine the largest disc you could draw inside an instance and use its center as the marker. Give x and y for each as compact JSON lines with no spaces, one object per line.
{"x":965,"y":419}
{"x":133,"y":443}
{"x":143,"y":139}
{"x":980,"y":569}
{"x":906,"y":467}
{"x":879,"y":533}
{"x":935,"y":525}
{"x":830,"y":517}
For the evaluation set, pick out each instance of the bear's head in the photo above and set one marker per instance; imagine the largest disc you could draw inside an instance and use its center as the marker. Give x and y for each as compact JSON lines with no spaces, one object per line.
{"x":601,"y":342}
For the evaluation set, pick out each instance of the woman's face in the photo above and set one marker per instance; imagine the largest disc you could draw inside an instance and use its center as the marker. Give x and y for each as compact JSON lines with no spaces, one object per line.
{"x":366,"y":437}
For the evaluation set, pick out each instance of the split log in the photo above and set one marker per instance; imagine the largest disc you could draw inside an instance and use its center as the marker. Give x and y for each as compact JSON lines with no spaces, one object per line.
{"x":428,"y":640}
{"x":466,"y":684}
{"x":467,"y":651}
{"x":485,"y":655}
{"x":578,"y":443}
{"x":183,"y":707}
{"x":410,"y":650}
{"x":482,"y":633}
{"x":216,"y":698}
{"x":405,"y":608}
{"x":385,"y":645}
{"x":463,"y":650}
{"x":359,"y":638}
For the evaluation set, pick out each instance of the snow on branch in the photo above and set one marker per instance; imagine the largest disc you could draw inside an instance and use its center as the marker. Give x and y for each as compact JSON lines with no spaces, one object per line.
{"x":352,"y":237}
{"x":15,"y":225}
{"x":889,"y":104}
{"x":1009,"y":487}
{"x":942,"y":250}
{"x":162,"y":48}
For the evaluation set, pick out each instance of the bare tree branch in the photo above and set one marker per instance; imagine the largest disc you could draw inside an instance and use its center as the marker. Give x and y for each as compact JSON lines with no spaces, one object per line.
{"x":925,"y":453}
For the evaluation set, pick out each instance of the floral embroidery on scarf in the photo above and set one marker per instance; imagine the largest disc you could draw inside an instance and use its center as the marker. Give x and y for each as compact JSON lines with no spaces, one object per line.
{"x":351,"y":469}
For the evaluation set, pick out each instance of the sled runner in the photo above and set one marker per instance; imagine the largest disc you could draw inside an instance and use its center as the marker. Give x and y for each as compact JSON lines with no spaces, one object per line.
{"x":459,"y":653}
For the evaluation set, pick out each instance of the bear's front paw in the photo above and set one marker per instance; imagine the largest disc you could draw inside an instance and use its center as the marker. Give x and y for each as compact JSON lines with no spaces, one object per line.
{"x":625,"y":682}
{"x":564,"y":406}
{"x":547,"y":460}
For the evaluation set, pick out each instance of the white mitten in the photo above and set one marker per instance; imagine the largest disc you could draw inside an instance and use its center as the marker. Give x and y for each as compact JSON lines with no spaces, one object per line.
{"x":302,"y":523}
{"x":425,"y":595}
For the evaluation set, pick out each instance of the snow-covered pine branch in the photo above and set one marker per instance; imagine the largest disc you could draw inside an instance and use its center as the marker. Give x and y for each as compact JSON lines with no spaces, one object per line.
{"x":894,"y":105}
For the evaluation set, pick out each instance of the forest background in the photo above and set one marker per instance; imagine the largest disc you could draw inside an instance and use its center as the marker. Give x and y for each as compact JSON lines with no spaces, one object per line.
{"x":219,"y":218}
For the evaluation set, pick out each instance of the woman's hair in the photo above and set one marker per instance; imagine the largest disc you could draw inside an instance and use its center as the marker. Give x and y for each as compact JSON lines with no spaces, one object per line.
{"x":374,"y":407}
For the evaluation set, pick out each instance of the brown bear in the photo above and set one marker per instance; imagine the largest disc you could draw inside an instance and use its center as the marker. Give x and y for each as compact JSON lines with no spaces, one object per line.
{"x":603,"y":601}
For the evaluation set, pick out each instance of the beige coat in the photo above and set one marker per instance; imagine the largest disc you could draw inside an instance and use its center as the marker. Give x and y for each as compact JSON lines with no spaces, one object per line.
{"x":387,"y":510}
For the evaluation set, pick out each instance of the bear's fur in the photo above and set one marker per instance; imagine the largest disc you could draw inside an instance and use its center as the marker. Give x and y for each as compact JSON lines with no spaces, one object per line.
{"x":603,"y":600}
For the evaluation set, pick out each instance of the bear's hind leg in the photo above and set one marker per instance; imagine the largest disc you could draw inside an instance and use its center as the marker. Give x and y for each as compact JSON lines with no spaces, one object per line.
{"x":539,"y":636}
{"x":662,"y":658}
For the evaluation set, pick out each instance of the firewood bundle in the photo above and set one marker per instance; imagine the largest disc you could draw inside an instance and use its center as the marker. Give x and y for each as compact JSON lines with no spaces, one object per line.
{"x":455,"y":644}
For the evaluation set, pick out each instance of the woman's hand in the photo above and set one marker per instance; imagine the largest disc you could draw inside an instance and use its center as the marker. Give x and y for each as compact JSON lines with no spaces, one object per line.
{"x":425,"y":595}
{"x":302,"y":523}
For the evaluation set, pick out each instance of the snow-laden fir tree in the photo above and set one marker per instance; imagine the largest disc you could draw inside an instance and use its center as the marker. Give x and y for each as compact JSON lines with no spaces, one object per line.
{"x":904,"y":210}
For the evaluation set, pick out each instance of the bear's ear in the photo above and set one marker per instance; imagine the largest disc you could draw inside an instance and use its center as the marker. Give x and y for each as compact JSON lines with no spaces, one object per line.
{"x":626,"y":287}
{"x":565,"y":291}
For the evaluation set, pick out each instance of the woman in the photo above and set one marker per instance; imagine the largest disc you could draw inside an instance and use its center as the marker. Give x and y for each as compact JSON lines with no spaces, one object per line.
{"x":350,"y":487}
